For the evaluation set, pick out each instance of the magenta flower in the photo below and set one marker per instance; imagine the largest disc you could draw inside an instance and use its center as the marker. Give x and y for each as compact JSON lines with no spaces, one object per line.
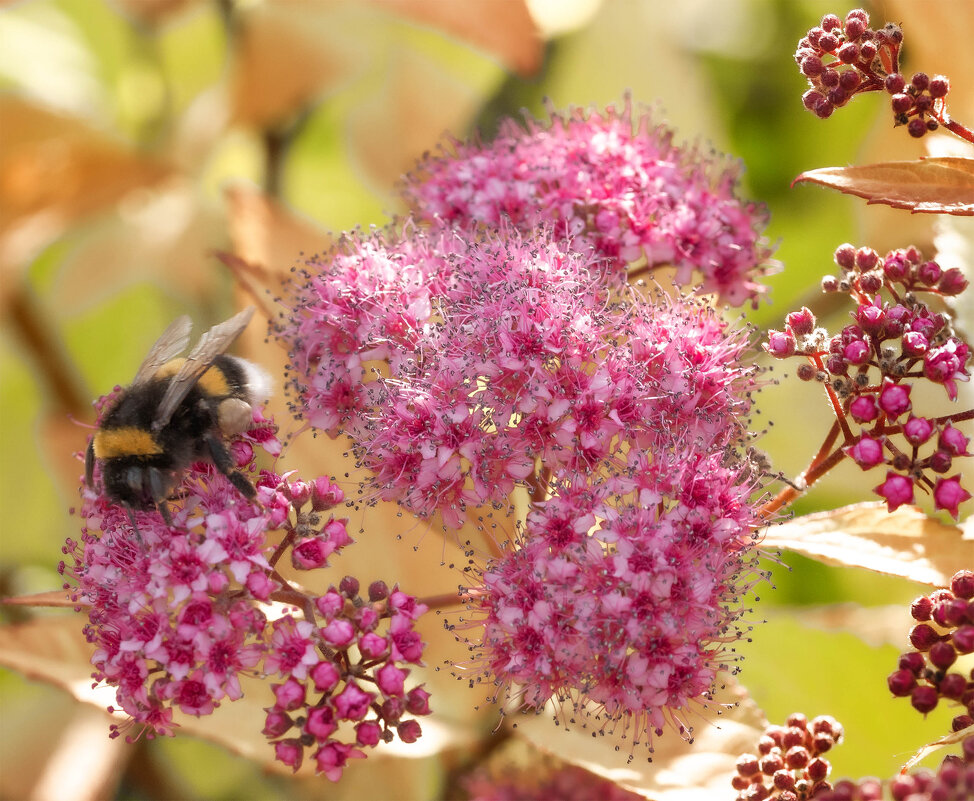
{"x":948,"y":494}
{"x":611,"y":183}
{"x":895,"y":490}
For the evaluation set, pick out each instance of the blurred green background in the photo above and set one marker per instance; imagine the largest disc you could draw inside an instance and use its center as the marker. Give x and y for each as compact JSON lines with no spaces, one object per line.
{"x":123,"y":124}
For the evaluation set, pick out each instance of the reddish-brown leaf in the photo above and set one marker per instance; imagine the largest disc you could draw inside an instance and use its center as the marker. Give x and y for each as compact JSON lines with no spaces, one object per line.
{"x":505,"y":30}
{"x":932,"y":186}
{"x":53,"y":649}
{"x":903,"y":543}
{"x":267,"y":234}
{"x":419,"y":101}
{"x":54,"y":169}
{"x":287,"y":55}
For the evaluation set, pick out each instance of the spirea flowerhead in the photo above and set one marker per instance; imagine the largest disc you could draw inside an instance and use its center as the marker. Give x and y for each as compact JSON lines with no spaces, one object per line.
{"x":622,"y":592}
{"x":612,"y":182}
{"x":454,"y":363}
{"x":463,"y":366}
{"x":179,"y":612}
{"x":171,"y":608}
{"x":895,"y":342}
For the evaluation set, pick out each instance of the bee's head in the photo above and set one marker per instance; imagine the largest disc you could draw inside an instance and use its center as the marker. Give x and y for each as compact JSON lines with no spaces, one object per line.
{"x":133,"y":483}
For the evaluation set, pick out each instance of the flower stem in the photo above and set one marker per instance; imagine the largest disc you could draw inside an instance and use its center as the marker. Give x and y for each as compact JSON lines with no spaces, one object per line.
{"x":957,"y":129}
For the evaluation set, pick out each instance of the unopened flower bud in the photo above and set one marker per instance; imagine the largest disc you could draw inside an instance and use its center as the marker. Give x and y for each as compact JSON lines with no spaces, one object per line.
{"x":962,"y":584}
{"x":409,"y":731}
{"x":901,"y":683}
{"x":864,"y":409}
{"x":917,"y":430}
{"x":923,"y":636}
{"x":897,"y":490}
{"x":948,"y":494}
{"x":939,"y":86}
{"x":952,"y":282}
{"x":801,"y":322}
{"x":894,"y":399}
{"x":867,"y":452}
{"x":924,"y":698}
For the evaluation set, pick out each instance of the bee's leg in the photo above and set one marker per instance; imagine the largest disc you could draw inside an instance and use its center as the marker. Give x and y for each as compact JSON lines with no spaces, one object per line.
{"x":221,"y":458}
{"x":163,"y":508}
{"x":158,"y":490}
{"x":135,"y":525}
{"x":90,"y":464}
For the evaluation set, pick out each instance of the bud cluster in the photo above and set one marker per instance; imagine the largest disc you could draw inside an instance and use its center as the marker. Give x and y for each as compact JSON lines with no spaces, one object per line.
{"x":843,"y":58}
{"x":328,"y":671}
{"x":789,"y":765}
{"x":944,"y":631}
{"x":871,"y":367}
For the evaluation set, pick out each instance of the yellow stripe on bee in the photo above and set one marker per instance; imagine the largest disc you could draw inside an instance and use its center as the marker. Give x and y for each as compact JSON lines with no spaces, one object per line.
{"x":128,"y":441}
{"x":214,"y":383}
{"x":170,"y":368}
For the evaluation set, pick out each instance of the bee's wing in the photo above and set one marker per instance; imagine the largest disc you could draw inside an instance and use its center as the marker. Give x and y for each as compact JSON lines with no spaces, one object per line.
{"x":174,"y":340}
{"x":211,"y":344}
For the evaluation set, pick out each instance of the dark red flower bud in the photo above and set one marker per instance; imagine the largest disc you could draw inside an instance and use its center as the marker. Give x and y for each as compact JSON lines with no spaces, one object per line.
{"x":939,"y":86}
{"x":920,"y":81}
{"x":962,"y":584}
{"x":942,"y":655}
{"x":916,"y":128}
{"x":924,"y":699}
{"x":901,"y":683}
{"x":895,"y":83}
{"x":923,"y":636}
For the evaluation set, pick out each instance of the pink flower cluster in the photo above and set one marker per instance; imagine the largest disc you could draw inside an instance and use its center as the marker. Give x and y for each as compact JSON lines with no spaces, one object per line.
{"x":320,"y":694}
{"x":611,"y":182}
{"x":623,"y":590}
{"x":171,"y":610}
{"x":874,"y":363}
{"x":178,"y":613}
{"x":462,"y":366}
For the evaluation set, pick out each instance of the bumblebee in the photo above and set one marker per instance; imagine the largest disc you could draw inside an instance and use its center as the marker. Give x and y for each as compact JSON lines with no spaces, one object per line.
{"x":176,"y":412}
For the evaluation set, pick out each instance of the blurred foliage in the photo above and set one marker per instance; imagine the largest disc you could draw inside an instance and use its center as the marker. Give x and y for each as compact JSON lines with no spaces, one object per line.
{"x":123,"y":123}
